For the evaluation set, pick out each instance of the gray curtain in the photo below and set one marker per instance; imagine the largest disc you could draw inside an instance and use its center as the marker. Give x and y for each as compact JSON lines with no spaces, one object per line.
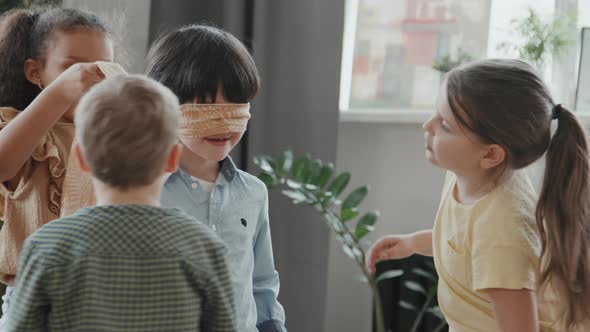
{"x":298,"y":46}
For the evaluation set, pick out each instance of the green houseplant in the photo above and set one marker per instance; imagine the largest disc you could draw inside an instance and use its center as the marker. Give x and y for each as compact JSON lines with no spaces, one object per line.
{"x":312,"y":182}
{"x":539,"y":39}
{"x":447,"y":62}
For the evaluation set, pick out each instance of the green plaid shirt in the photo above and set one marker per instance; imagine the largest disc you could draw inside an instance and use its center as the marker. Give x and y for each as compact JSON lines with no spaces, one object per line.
{"x":123,"y":268}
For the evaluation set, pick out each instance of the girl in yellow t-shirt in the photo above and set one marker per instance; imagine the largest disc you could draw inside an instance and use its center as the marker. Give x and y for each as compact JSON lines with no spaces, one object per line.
{"x":508,"y":259}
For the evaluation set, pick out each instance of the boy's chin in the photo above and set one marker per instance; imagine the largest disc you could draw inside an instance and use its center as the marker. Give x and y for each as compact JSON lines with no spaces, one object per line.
{"x":217,"y":157}
{"x":211,"y":155}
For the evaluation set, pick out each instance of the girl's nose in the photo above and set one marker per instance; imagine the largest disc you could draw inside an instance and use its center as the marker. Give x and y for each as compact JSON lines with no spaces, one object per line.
{"x":427,"y":125}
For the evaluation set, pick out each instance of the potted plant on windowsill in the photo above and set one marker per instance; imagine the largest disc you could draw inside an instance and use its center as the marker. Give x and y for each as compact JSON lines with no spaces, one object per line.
{"x":447,"y":62}
{"x":539,"y":39}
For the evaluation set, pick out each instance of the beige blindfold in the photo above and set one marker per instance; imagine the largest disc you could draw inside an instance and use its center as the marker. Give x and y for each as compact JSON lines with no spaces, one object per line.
{"x":202,"y":120}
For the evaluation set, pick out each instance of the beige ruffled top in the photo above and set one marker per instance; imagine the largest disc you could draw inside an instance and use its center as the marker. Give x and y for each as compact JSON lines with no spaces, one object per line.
{"x":78,"y":190}
{"x":34,"y":197}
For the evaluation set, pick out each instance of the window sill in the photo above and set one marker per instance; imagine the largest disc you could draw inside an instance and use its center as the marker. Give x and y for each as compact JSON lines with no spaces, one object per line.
{"x":403,"y":116}
{"x":407,"y":116}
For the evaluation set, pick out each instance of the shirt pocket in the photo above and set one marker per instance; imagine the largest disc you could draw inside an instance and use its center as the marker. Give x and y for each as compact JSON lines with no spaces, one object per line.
{"x":456,"y":259}
{"x":238,"y":232}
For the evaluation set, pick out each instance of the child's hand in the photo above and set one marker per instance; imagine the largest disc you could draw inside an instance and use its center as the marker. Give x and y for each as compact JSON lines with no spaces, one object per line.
{"x":76,"y":80}
{"x":389,"y":247}
{"x":8,"y":279}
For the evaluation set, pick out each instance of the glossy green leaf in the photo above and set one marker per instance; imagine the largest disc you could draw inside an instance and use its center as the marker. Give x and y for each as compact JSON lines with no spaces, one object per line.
{"x":349,"y":240}
{"x":366,"y":225}
{"x":348,"y":251}
{"x":389,"y":275}
{"x":315,"y":167}
{"x":300,"y":168}
{"x":285,"y":162}
{"x":293,"y":184}
{"x":311,"y":187}
{"x":416,"y":287}
{"x":436,"y":312}
{"x":266,"y":163}
{"x":296,"y":196}
{"x":349,"y":214}
{"x":407,"y":305}
{"x":339,"y":184}
{"x":361,"y":278}
{"x":269,"y":180}
{"x":425,"y":274}
{"x":325,"y":175}
{"x":358,"y":254}
{"x":355,"y":198}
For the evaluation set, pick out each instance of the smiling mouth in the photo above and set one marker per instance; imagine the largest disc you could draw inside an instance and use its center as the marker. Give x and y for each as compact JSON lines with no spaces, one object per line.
{"x":218,"y":140}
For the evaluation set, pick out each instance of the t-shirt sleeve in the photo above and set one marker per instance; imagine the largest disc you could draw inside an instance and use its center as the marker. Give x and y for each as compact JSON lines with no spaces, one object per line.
{"x":505,"y":251}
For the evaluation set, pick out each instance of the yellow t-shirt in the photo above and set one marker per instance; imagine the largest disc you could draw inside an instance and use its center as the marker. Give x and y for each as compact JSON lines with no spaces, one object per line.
{"x":493,"y":243}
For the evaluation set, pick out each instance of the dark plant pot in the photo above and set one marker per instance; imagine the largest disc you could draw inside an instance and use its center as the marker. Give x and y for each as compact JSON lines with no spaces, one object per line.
{"x":393,"y":291}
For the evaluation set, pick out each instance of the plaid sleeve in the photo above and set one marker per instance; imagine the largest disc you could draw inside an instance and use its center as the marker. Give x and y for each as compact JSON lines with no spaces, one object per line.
{"x":29,"y":306}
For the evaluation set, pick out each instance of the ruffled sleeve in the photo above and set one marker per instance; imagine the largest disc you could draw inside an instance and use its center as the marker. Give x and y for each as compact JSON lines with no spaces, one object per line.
{"x":34,"y":196}
{"x":54,"y":150}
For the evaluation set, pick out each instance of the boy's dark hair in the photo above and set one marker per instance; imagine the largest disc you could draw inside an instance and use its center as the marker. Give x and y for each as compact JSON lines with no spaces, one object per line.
{"x":194,"y":61}
{"x":505,"y":102}
{"x":25,"y":34}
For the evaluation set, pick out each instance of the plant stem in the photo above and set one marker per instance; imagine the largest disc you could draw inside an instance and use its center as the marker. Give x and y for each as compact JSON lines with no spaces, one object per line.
{"x":328,"y":214}
{"x":441,"y":326}
{"x":418,"y":319}
{"x":379,"y":319}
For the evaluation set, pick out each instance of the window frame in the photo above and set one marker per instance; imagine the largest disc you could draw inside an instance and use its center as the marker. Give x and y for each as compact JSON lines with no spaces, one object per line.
{"x":561,"y":72}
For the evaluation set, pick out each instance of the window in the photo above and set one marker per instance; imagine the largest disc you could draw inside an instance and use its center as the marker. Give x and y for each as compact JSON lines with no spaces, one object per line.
{"x":390,"y":46}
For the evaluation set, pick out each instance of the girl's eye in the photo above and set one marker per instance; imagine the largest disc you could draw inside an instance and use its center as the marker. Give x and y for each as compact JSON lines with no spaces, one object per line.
{"x":444,"y":127}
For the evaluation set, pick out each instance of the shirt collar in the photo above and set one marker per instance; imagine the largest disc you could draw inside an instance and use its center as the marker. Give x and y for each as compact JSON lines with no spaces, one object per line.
{"x":228,"y":170}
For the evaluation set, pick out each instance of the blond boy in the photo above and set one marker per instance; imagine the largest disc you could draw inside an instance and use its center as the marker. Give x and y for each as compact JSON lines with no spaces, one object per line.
{"x":126,"y":264}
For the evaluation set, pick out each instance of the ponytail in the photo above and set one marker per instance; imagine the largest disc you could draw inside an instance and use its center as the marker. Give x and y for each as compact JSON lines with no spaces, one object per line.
{"x":16,"y":27}
{"x":563,"y":217}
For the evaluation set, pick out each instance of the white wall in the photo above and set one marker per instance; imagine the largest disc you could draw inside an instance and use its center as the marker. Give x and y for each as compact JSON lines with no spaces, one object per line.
{"x":130,"y":20}
{"x":297,"y":47}
{"x":405,"y":188}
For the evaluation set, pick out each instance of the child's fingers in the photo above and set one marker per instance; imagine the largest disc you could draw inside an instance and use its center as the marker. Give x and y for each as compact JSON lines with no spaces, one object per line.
{"x":98,"y":73}
{"x":91,"y":72}
{"x":389,"y":253}
{"x":375,"y":252}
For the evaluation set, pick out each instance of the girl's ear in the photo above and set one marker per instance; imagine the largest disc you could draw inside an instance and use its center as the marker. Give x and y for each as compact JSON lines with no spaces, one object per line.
{"x":83,"y":165}
{"x":33,"y":72}
{"x":173,"y":159}
{"x":493,"y":156}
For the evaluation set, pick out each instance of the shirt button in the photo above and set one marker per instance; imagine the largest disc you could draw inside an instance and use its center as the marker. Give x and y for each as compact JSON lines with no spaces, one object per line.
{"x":195,"y":185}
{"x":214,"y":228}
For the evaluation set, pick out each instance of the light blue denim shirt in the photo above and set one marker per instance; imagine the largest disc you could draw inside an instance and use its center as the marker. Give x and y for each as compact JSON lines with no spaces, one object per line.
{"x":237,"y":210}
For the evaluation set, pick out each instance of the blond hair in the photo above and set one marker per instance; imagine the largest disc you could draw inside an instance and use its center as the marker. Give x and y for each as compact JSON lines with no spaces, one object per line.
{"x":126,"y":127}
